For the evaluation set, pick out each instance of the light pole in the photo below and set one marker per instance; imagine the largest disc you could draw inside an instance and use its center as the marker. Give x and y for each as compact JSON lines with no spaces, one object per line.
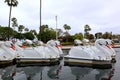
{"x":40,"y":16}
{"x":56,"y":28}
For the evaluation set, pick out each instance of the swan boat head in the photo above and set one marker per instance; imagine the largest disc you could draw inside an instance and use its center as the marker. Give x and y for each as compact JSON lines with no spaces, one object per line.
{"x":55,"y":46}
{"x":77,"y":42}
{"x":105,"y":46}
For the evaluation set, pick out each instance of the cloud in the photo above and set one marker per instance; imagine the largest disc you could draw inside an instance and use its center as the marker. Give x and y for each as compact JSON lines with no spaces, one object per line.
{"x":101,"y":15}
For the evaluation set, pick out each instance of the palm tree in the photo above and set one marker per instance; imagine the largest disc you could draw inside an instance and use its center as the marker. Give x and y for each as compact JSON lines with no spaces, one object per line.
{"x":26,"y":29}
{"x":14,"y":24}
{"x":20,"y":29}
{"x":86,"y":29}
{"x":10,"y":3}
{"x":66,"y":27}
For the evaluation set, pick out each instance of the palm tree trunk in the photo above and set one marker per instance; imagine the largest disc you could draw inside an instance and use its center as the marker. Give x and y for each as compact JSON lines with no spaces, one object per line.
{"x":9,"y":22}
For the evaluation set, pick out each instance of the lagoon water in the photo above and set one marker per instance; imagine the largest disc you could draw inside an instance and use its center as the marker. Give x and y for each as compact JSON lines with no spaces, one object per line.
{"x":61,"y":72}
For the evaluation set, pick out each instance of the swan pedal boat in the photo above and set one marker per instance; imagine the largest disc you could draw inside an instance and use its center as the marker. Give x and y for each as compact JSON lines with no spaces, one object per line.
{"x":47,"y":54}
{"x":7,"y":54}
{"x":87,"y":56}
{"x":72,"y":61}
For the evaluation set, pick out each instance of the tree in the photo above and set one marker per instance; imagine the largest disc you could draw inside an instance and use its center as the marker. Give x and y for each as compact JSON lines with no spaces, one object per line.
{"x":98,"y":35}
{"x":46,"y":33}
{"x":10,"y":3}
{"x":20,"y":29}
{"x":42,"y":28}
{"x":14,"y":24}
{"x":78,"y":36}
{"x":33,"y":32}
{"x":91,"y":37}
{"x":107,"y":35}
{"x":86,"y":29}
{"x":66,"y":27}
{"x":26,"y":29}
{"x":28,"y":35}
{"x":4,"y":32}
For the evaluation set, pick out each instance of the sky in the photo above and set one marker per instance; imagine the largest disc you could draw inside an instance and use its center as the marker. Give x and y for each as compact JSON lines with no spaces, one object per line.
{"x":101,"y":15}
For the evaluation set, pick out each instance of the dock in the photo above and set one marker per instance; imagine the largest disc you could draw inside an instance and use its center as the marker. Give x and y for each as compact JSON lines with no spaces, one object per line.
{"x":67,"y":47}
{"x":117,"y":46}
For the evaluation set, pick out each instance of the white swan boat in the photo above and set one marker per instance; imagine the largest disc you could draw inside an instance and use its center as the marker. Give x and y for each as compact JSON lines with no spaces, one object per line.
{"x":86,"y":56}
{"x":105,"y":46}
{"x":7,"y":53}
{"x":43,"y":54}
{"x":110,"y":45}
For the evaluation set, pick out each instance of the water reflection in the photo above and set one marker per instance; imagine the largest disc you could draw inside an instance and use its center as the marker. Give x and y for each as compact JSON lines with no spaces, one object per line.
{"x":80,"y":72}
{"x":28,"y":73}
{"x":106,"y":74}
{"x":7,"y":73}
{"x":55,"y":73}
{"x":21,"y":73}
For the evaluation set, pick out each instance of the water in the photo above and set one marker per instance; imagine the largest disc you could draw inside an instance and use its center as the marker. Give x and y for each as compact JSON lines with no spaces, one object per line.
{"x":61,"y":72}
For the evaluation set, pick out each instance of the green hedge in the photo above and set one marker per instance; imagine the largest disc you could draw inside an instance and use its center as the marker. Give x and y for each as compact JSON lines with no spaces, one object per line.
{"x":67,"y":43}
